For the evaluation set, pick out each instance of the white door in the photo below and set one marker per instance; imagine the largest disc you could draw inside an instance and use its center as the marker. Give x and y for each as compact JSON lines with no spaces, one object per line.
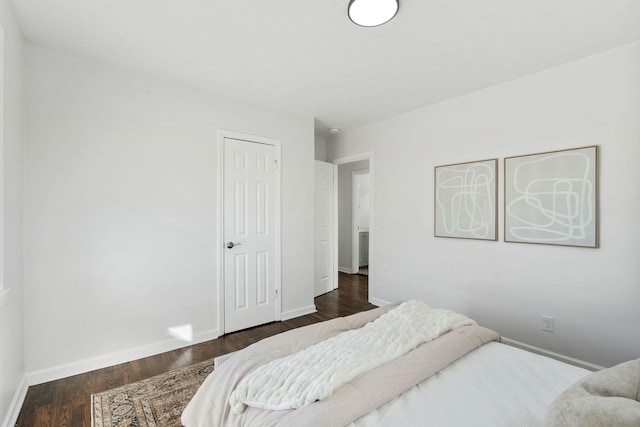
{"x":250,"y":291}
{"x":324,"y":230}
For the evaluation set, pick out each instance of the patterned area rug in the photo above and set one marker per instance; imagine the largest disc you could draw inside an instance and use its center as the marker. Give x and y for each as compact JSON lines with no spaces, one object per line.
{"x":154,"y":402}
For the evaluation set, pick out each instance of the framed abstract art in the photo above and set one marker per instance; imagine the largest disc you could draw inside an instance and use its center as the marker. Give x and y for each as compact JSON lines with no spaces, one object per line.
{"x":466,"y":200}
{"x":552,"y":198}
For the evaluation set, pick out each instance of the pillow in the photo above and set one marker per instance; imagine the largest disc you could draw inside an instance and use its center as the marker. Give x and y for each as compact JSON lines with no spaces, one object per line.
{"x":604,"y":398}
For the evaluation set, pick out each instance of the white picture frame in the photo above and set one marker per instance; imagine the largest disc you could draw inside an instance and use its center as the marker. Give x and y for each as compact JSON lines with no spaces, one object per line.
{"x":465,"y":200}
{"x":551,"y":198}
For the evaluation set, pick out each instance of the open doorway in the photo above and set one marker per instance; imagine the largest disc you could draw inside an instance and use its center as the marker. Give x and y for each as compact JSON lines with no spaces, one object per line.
{"x":360,"y":194}
{"x":354,"y":224}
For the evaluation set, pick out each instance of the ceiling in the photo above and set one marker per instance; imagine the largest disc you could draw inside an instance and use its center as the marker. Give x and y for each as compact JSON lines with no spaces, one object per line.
{"x":306,"y":57}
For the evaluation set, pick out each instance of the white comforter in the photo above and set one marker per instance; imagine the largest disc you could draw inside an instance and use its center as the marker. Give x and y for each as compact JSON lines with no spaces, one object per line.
{"x":369,"y":390}
{"x":493,"y":386}
{"x":316,"y":372}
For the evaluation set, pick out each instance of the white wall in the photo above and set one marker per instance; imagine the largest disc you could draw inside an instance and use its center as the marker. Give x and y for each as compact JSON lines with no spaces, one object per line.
{"x":120,"y":211}
{"x":594,"y":294}
{"x":363,"y":188}
{"x":321,"y":148}
{"x":12,"y":382}
{"x":345,"y":211}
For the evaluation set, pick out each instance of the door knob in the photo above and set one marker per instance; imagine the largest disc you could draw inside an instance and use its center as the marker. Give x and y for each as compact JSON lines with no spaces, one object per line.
{"x":230,"y":245}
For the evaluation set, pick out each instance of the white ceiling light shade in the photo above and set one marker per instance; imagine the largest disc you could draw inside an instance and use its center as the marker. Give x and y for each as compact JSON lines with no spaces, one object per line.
{"x":371,"y":13}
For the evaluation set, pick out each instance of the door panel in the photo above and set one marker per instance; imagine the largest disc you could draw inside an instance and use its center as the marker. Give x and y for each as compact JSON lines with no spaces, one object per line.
{"x":249,"y":228}
{"x":324,"y":219}
{"x":240,"y":281}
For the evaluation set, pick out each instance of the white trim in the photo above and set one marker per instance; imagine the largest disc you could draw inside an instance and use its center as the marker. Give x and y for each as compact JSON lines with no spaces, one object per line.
{"x":345,"y":270}
{"x":3,"y":289}
{"x":220,"y":237}
{"x":16,"y":404}
{"x":222,"y":134}
{"x":116,"y":358}
{"x":379,"y":302}
{"x":553,"y":355}
{"x":291,"y":314}
{"x":353,"y":158}
{"x":335,"y":266}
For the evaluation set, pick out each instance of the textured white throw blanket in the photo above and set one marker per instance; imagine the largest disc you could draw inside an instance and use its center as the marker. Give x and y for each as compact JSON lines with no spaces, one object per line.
{"x":315,"y":372}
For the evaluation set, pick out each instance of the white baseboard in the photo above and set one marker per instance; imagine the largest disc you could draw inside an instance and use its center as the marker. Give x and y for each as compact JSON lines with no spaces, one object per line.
{"x":553,"y":355}
{"x":378,"y":302}
{"x":16,"y":404}
{"x":87,"y":365}
{"x":291,"y":314}
{"x":345,"y":270}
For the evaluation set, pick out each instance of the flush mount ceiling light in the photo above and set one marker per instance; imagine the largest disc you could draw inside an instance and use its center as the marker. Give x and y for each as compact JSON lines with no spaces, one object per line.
{"x":371,"y":13}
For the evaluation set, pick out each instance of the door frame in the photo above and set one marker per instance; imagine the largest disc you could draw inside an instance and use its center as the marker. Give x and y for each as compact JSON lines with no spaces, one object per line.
{"x":351,"y":159}
{"x":220,"y":243}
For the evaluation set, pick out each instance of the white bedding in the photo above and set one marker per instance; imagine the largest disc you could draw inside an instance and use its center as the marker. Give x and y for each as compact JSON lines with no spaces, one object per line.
{"x":364,"y":393}
{"x":495,"y":385}
{"x":316,"y":372}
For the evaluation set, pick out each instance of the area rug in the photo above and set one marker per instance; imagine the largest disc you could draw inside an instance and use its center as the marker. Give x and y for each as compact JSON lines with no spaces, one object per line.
{"x":154,"y":402}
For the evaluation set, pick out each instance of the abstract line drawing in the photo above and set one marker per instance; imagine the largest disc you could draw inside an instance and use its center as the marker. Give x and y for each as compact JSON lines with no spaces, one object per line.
{"x":465,"y":200}
{"x":551,"y":198}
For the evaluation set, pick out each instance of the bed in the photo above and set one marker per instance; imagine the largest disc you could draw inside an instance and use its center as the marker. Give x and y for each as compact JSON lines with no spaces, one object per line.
{"x":464,"y":377}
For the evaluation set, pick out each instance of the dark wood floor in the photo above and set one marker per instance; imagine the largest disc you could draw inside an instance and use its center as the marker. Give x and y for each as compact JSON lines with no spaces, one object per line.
{"x":66,"y":402}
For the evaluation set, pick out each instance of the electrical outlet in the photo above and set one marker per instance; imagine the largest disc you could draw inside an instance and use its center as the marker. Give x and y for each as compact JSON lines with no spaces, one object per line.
{"x":547,"y":323}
